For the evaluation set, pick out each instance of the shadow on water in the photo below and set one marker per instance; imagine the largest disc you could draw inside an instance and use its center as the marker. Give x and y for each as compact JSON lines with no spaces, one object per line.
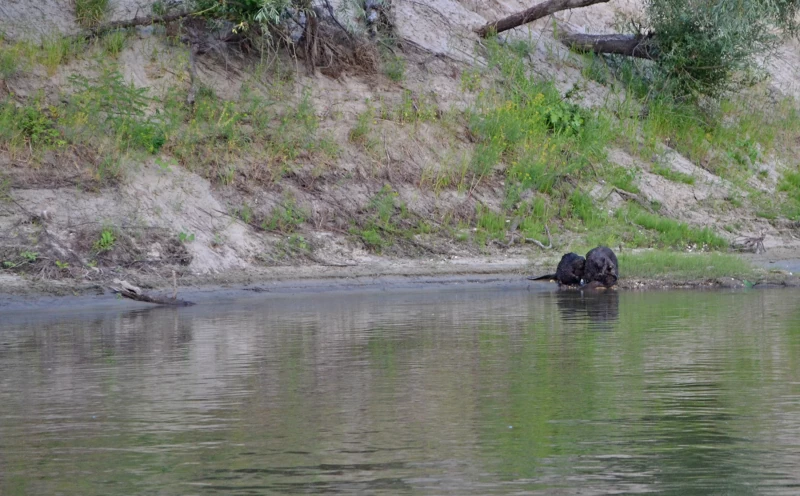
{"x":599,"y":308}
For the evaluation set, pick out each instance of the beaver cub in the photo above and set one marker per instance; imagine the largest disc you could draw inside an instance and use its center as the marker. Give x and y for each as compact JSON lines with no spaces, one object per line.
{"x":601,"y":267}
{"x":569,"y":271}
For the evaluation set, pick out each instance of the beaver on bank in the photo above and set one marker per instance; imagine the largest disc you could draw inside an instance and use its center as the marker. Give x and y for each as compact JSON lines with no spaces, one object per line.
{"x":569,"y":271}
{"x":601,"y":268}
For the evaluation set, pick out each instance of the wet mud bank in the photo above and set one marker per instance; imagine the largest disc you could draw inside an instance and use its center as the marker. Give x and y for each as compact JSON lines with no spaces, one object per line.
{"x":18,"y":294}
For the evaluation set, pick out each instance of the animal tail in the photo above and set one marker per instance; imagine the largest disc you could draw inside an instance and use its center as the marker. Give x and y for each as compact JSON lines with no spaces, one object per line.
{"x":542,"y":278}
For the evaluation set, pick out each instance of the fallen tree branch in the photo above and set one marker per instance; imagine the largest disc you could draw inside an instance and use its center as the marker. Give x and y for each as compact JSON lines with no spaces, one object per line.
{"x":631,"y":45}
{"x":127,"y":290}
{"x":536,"y":12}
{"x":136,"y":21}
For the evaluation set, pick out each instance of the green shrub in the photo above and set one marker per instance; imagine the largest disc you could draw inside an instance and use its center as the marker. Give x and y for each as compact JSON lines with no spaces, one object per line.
{"x":709,"y":47}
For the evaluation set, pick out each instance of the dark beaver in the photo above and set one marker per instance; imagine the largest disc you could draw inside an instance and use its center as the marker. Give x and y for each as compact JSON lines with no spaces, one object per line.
{"x":601,"y":267}
{"x":569,"y":271}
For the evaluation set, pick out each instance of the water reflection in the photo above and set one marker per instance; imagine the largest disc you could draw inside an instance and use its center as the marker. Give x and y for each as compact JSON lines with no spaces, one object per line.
{"x":459,"y":392}
{"x":600,"y":307}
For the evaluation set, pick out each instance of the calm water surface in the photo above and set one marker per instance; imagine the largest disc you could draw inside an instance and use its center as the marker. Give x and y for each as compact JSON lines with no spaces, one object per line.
{"x":468,"y":392}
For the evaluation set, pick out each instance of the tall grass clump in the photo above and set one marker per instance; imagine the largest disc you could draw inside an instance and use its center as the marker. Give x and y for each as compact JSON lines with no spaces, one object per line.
{"x":89,"y":13}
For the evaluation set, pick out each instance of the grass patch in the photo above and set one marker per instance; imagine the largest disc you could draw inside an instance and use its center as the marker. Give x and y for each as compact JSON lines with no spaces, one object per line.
{"x":672,"y":233}
{"x":672,"y":175}
{"x":688,"y":266}
{"x":89,"y":13}
{"x":113,"y":42}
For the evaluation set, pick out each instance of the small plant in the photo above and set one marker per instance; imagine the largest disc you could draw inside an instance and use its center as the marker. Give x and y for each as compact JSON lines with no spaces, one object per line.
{"x":394,"y":67}
{"x":106,"y":241}
{"x":286,"y":217}
{"x":184,"y":237}
{"x":114,"y":42}
{"x":360,"y":132}
{"x":245,"y":213}
{"x":89,"y":13}
{"x":9,"y":62}
{"x":29,"y":256}
{"x":165,"y":165}
{"x":62,"y":265}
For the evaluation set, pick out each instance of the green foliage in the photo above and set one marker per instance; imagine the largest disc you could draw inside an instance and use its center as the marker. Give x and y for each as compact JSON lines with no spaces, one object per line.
{"x":393,"y":65}
{"x":89,"y":13}
{"x":245,"y":212}
{"x":9,"y":62}
{"x":286,"y":217}
{"x":709,"y":47}
{"x":672,"y":175}
{"x":57,"y":50}
{"x":687,"y":266}
{"x":246,"y":13}
{"x":185,"y":237}
{"x":110,"y":106}
{"x":491,"y":225}
{"x":529,"y":126}
{"x":106,"y":241}
{"x":621,"y":177}
{"x":584,"y":208}
{"x":672,"y":233}
{"x":114,"y":41}
{"x":380,"y":224}
{"x":360,"y":131}
{"x":789,"y":184}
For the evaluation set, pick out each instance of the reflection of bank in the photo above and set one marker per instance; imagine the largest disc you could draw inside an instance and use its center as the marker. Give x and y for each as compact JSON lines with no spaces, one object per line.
{"x":599,"y":308}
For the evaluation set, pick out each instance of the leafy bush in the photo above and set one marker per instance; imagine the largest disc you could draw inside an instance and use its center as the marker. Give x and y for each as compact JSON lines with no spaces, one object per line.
{"x":246,"y":13}
{"x":709,"y":47}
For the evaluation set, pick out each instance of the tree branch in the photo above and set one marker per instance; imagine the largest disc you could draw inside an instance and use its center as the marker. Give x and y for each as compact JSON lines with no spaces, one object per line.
{"x":536,"y":12}
{"x":632,"y":45}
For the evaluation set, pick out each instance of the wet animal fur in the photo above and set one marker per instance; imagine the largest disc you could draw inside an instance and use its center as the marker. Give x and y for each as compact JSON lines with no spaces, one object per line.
{"x":601,"y":267}
{"x":569,"y":271}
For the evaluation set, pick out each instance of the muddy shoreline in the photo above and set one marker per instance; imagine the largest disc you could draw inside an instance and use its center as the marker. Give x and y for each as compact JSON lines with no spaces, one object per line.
{"x":19,"y":294}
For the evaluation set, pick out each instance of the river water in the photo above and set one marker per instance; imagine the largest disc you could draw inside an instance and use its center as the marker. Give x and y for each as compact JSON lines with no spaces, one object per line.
{"x":463,"y":392}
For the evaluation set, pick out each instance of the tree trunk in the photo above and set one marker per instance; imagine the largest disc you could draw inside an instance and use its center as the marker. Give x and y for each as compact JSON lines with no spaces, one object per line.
{"x":622,"y":44}
{"x":536,"y":12}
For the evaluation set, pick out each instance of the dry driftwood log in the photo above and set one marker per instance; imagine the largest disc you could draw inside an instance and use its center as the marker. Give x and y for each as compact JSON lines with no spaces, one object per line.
{"x":536,"y":12}
{"x":632,"y":45}
{"x":128,"y":290}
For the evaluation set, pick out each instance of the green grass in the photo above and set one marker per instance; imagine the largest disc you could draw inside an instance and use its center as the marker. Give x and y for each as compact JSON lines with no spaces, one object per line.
{"x":683,"y":266}
{"x":672,"y":175}
{"x":113,"y":42}
{"x":672,"y":233}
{"x":89,"y":13}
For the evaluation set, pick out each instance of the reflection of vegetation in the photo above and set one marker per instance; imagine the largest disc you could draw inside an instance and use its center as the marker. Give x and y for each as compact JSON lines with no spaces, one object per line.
{"x":684,"y":384}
